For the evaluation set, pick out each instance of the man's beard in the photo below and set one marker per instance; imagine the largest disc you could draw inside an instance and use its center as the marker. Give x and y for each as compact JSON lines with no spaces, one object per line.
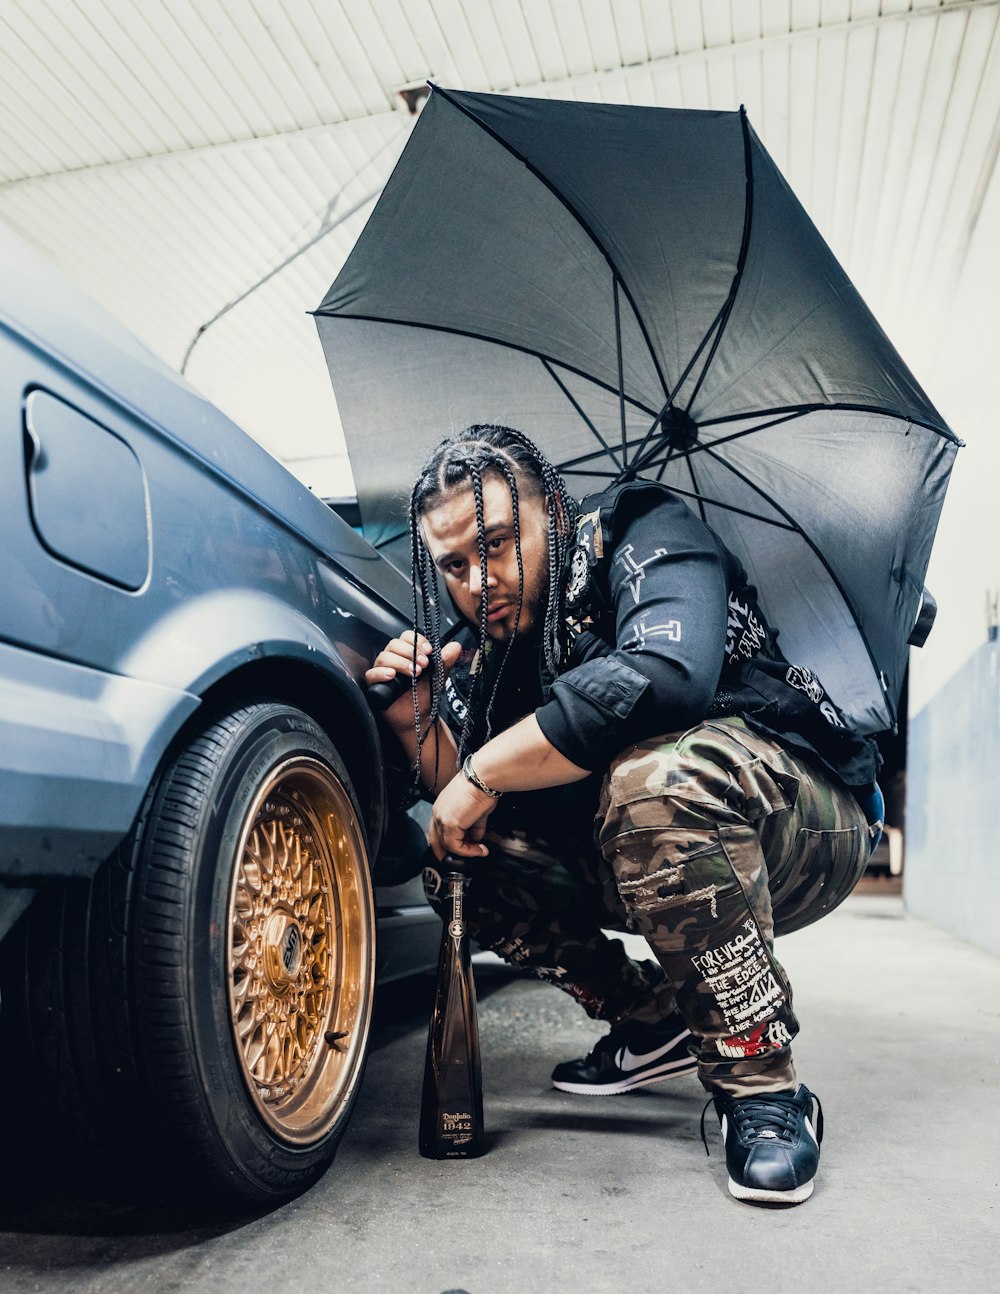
{"x":533,"y":610}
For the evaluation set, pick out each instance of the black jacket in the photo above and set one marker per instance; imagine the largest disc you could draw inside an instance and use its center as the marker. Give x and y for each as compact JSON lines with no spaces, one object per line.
{"x":666,"y":632}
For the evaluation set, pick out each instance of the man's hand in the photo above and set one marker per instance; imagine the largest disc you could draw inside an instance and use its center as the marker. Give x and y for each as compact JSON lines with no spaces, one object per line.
{"x":437,"y":755}
{"x":396,"y":657}
{"x":458,"y":824}
{"x":519,"y":759}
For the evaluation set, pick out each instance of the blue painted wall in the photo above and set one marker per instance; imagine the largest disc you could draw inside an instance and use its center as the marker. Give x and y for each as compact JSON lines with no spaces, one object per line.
{"x":952,"y":873}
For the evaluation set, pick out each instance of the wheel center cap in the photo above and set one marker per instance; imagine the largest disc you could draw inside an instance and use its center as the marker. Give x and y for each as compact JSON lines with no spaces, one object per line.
{"x":282,"y":949}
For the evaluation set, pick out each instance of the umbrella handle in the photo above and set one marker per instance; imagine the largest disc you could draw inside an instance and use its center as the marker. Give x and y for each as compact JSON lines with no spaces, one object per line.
{"x":381,"y":695}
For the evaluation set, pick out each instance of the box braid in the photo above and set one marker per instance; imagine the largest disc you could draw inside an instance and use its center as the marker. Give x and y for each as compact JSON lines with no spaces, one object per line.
{"x":466,"y":457}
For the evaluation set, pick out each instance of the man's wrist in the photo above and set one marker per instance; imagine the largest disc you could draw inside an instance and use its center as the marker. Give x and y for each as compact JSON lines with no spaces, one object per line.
{"x":470,"y":775}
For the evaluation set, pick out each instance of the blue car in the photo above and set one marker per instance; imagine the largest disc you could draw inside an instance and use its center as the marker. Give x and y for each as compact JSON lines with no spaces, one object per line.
{"x":194,"y":800}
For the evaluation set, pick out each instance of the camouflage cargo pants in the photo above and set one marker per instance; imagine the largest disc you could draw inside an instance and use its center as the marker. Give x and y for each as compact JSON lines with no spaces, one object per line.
{"x":711,"y":842}
{"x":545,"y":910}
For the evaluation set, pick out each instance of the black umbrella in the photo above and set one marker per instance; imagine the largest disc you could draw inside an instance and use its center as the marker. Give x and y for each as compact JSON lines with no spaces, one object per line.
{"x":639,"y":291}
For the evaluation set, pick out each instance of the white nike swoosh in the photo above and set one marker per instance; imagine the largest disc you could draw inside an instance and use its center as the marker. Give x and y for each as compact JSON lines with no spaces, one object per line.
{"x":628,"y":1060}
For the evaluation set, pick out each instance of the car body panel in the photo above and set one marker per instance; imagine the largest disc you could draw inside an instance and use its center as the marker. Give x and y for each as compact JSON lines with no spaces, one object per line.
{"x":79,"y":750}
{"x":157,"y":560}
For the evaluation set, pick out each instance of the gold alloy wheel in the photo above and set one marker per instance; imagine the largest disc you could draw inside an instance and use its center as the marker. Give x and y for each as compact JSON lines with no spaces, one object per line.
{"x":301,"y":950}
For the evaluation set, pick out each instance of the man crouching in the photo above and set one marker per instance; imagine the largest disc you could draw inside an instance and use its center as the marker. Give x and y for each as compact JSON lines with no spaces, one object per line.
{"x":616,"y":734}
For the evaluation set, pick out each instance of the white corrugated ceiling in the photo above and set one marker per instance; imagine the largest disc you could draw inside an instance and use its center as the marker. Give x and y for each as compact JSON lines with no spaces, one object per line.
{"x":171,"y":154}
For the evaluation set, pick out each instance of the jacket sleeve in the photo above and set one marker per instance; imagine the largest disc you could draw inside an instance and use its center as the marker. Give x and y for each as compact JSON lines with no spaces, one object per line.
{"x":667,"y":587}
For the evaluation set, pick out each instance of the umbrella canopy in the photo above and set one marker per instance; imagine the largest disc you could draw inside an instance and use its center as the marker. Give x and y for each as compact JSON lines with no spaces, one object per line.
{"x":639,"y":290}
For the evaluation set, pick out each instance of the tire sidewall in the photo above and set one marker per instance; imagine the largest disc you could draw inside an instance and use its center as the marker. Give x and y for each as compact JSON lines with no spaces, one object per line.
{"x":271,"y":735}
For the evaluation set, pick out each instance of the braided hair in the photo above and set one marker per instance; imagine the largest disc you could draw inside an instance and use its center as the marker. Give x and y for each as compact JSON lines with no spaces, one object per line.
{"x":467,"y":457}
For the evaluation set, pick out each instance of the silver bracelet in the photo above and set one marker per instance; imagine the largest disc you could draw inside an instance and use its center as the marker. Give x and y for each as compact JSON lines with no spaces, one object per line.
{"x":472,"y":776}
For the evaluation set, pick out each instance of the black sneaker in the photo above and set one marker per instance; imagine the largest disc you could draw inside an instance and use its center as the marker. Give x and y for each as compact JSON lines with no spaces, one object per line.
{"x":631,"y":1055}
{"x":772,"y":1148}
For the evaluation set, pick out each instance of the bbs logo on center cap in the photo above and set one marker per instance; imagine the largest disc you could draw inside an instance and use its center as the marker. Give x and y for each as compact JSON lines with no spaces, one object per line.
{"x":289,"y":952}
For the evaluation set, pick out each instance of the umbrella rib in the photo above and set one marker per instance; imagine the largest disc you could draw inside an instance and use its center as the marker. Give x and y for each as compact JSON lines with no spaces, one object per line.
{"x":689,"y":494}
{"x":574,"y":471}
{"x":581,"y":458}
{"x":493,"y":341}
{"x":826,"y":566}
{"x":718,"y":324}
{"x":846,"y":405}
{"x":621,"y":371}
{"x":741,"y":260}
{"x":680,"y":382}
{"x":577,"y":216}
{"x":637,"y":460}
{"x":731,"y":507}
{"x":640,"y":465}
{"x":576,"y":405}
{"x":697,"y":489}
{"x":747,"y":431}
{"x":666,"y":462}
{"x":725,"y":440}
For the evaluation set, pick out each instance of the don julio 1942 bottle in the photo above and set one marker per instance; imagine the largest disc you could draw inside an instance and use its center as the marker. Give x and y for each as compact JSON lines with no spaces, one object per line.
{"x":451,"y":1111}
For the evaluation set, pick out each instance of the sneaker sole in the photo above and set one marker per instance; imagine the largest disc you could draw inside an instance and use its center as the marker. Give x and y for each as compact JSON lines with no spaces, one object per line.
{"x":670,"y":1069}
{"x":754,"y":1195}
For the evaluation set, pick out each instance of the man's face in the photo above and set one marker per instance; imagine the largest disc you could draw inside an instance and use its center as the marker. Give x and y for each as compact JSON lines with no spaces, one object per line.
{"x":449,"y":530}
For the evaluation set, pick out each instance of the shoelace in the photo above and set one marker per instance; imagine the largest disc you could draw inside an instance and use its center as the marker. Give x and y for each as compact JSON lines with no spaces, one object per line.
{"x":772,"y":1112}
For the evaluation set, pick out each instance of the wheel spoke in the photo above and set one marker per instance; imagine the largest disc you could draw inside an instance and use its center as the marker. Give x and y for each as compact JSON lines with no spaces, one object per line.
{"x":301,"y":869}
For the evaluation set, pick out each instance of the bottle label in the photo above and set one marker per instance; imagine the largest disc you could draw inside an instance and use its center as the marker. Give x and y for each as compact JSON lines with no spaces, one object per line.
{"x":456,"y":1128}
{"x":456,"y":926}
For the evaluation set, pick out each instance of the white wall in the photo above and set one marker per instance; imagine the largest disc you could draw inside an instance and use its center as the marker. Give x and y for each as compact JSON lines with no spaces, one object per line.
{"x":952,"y":876}
{"x":958,"y":359}
{"x":953,"y":796}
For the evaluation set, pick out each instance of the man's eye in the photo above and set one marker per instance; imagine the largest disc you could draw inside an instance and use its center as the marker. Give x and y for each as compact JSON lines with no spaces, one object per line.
{"x":454,"y":568}
{"x":497,"y":542}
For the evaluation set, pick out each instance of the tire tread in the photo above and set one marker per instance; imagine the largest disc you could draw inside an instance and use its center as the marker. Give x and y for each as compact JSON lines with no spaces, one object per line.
{"x":99,"y":975}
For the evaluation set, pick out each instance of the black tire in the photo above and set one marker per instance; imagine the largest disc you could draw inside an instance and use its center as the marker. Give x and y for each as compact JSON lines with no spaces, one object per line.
{"x":210,"y":1028}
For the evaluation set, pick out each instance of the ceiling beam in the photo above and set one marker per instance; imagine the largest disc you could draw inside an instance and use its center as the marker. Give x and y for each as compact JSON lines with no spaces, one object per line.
{"x":378,"y":122}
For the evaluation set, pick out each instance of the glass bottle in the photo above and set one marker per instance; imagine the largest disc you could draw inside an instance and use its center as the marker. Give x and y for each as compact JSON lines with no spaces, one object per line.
{"x":451,"y":1111}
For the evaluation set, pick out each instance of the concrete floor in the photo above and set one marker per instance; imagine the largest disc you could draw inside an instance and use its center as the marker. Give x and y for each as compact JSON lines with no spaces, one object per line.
{"x":901,"y":1039}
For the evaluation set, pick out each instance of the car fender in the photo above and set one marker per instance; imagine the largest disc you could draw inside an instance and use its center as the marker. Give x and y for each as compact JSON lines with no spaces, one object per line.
{"x":212,"y":637}
{"x":113,"y":730}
